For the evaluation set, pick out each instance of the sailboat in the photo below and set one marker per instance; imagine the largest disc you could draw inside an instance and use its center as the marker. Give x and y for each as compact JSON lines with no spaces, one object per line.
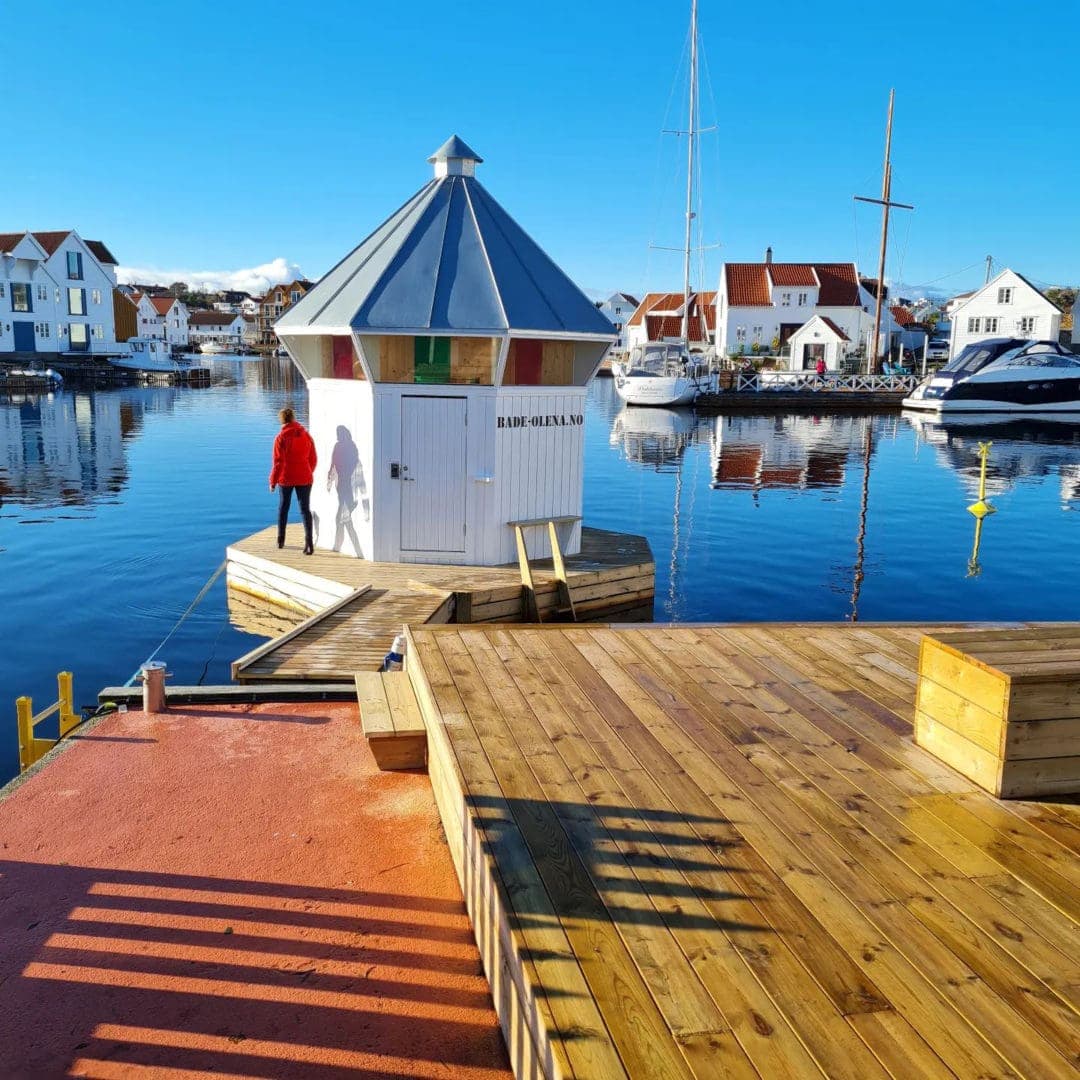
{"x":669,"y":374}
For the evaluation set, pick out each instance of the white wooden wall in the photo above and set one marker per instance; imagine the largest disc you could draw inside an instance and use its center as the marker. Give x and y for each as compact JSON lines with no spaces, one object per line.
{"x":530,"y":467}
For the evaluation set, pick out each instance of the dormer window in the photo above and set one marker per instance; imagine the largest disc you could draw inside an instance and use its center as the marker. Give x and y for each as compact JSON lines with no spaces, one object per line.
{"x":803,"y":297}
{"x":1005,"y":296}
{"x":785,"y":299}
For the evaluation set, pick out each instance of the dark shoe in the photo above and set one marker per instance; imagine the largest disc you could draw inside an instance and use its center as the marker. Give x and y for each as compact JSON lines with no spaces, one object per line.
{"x":281,"y":541}
{"x":309,"y":549}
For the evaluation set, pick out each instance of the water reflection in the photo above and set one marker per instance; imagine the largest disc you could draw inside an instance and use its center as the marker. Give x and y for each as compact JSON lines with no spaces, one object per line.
{"x":68,"y":449}
{"x":1023,"y":448}
{"x":844,"y":516}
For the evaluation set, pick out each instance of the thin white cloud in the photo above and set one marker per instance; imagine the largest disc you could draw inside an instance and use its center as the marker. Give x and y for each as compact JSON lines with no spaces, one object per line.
{"x":255,"y":280}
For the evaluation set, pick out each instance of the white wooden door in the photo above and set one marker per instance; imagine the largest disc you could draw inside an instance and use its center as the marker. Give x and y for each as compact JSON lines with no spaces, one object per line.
{"x":433,"y":474}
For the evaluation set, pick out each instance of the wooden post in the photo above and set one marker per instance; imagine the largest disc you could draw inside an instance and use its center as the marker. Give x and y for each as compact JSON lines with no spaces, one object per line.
{"x":24,"y":710}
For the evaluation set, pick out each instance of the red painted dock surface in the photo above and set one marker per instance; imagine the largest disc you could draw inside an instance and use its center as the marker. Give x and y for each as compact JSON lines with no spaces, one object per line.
{"x":236,"y":892}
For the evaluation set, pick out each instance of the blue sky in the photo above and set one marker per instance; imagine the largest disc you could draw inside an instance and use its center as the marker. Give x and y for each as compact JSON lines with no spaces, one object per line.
{"x":217,"y":136}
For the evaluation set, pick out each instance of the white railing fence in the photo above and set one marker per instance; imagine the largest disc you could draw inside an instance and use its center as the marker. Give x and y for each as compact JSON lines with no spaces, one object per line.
{"x":828,"y":383}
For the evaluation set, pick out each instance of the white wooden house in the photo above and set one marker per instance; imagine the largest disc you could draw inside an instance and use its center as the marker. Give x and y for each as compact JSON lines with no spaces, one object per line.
{"x":819,"y":338}
{"x":618,"y":308}
{"x":446,"y":361}
{"x":1007,"y":306}
{"x":221,"y":327}
{"x":149,"y":322}
{"x":59,"y":293}
{"x":28,"y":319}
{"x":760,"y":305}
{"x":174,"y":317}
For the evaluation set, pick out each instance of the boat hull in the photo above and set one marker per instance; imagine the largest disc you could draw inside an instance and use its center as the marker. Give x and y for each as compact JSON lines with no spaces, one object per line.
{"x":659,"y":390}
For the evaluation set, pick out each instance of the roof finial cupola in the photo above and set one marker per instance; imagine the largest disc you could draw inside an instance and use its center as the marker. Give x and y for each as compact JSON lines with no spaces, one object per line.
{"x":455,"y":158}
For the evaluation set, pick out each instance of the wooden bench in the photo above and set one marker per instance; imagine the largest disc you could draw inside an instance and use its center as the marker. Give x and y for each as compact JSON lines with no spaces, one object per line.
{"x":1003,"y":708}
{"x":391,"y":720}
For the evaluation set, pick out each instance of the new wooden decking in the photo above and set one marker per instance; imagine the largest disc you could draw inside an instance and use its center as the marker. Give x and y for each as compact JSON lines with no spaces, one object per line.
{"x":716,"y":851}
{"x":612,"y":577}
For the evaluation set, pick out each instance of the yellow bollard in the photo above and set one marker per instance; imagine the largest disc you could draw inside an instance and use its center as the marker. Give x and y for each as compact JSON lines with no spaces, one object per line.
{"x":24,"y":710}
{"x":981,"y":508}
{"x":66,"y":697}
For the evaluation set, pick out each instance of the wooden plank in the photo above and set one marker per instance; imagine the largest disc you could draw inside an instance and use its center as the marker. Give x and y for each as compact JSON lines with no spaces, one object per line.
{"x":1042,"y":738}
{"x":974,"y":681}
{"x":376,"y":720}
{"x":976,"y":763}
{"x":404,"y":708}
{"x":958,"y":713}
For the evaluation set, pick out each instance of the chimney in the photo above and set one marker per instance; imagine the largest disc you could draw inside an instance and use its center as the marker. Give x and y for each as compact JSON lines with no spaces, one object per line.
{"x":768,"y":255}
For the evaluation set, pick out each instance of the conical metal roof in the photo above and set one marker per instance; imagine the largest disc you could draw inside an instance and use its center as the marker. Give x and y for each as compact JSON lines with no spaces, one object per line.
{"x":451,"y":260}
{"x":455,"y":148}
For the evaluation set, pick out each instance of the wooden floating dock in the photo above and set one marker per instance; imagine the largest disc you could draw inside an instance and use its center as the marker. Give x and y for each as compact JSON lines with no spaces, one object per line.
{"x":355,"y":607}
{"x":750,"y":401}
{"x":717,"y":851}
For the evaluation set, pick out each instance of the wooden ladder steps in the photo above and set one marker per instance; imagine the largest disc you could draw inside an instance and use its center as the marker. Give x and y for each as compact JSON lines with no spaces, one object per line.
{"x":391,"y":720}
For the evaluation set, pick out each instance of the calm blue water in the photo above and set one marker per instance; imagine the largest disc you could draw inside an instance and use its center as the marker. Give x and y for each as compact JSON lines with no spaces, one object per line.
{"x":117,"y":506}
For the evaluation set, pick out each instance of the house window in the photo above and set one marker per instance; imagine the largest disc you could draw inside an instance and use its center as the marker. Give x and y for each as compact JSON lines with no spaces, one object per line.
{"x":1005,"y":296}
{"x":295,"y":295}
{"x":95,"y":295}
{"x":803,"y":297}
{"x":974,"y":325}
{"x":785,"y":299}
{"x":991,"y":325}
{"x":74,"y":265}
{"x":1026,"y":325}
{"x":757,"y":331}
{"x":58,"y":294}
{"x":76,"y":301}
{"x":42,"y":292}
{"x":20,"y":297}
{"x":78,"y":338}
{"x":99,"y":332}
{"x":2,"y":293}
{"x":740,"y":333}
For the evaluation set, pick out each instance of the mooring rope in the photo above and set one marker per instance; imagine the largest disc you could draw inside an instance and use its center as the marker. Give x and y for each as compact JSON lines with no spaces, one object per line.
{"x":190,"y":608}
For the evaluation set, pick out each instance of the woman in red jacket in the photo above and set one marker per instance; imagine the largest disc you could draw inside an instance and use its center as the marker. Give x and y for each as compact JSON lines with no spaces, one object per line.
{"x":293,"y":470}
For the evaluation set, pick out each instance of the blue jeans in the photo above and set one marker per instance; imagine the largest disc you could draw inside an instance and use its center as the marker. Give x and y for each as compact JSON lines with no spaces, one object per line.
{"x":303,"y":497}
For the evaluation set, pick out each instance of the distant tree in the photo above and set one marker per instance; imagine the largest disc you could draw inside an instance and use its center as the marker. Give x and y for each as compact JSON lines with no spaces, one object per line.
{"x":931,"y":320}
{"x":178,"y":288}
{"x":1063,"y":296}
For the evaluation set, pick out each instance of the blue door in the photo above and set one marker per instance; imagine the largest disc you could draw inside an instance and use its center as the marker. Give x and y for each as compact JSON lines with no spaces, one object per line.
{"x":24,"y":337}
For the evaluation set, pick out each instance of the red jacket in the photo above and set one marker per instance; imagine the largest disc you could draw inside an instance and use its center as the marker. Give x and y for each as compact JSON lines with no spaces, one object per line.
{"x":294,"y":457}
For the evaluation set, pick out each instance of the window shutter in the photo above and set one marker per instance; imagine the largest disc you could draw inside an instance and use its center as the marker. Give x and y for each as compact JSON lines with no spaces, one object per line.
{"x":83,"y":291}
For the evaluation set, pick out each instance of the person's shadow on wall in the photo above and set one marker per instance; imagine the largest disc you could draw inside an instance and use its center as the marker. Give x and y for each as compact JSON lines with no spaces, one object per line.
{"x":347,"y":475}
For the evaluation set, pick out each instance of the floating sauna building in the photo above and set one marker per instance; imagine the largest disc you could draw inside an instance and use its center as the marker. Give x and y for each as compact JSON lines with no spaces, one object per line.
{"x":446,"y":360}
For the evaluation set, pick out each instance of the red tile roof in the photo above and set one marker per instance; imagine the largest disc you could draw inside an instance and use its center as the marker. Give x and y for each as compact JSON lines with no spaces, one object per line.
{"x":667,"y":302}
{"x":8,"y":240}
{"x":162,"y":303}
{"x":101,"y":252}
{"x":658,"y":327}
{"x":839,"y":284}
{"x":50,"y":241}
{"x":748,"y":283}
{"x":834,"y":328}
{"x":902,"y":316}
{"x":791,"y":273}
{"x":210,"y":318}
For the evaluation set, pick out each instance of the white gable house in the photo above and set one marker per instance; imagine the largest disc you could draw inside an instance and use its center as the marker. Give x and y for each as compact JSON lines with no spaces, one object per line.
{"x":1007,"y":306}
{"x":220,"y":327}
{"x":759,"y":306}
{"x":618,"y":308}
{"x":28,"y":320}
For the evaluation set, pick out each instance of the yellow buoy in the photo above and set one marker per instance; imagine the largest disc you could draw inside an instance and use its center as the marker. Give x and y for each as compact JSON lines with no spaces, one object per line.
{"x":981,"y":508}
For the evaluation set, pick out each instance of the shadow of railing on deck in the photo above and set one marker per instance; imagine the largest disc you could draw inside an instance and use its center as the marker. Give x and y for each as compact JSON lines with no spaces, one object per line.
{"x":183,"y":972}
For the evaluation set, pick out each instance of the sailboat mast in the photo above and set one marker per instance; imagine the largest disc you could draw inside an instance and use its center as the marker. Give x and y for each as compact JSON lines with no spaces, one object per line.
{"x":886,"y":194}
{"x":691,"y":134}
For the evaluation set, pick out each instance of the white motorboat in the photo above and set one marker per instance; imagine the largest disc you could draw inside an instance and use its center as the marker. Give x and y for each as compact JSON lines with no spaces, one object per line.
{"x":671,"y":374}
{"x":214,"y":348}
{"x":146,"y":354}
{"x":1008,"y":375}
